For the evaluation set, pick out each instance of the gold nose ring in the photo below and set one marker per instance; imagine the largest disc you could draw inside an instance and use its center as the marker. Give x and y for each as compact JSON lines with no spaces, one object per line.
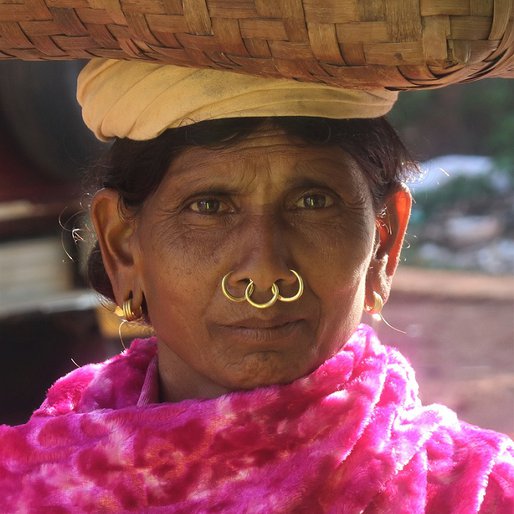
{"x":275,"y":292}
{"x":248,"y":293}
{"x":231,"y":297}
{"x":298,"y":293}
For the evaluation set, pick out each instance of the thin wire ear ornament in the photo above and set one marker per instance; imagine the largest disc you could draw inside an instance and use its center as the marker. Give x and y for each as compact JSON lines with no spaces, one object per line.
{"x":250,"y":288}
{"x":376,"y":311}
{"x":128,"y":314}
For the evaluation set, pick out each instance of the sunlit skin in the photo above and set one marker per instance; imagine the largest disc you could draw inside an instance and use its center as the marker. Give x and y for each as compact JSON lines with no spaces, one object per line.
{"x":258,"y":209}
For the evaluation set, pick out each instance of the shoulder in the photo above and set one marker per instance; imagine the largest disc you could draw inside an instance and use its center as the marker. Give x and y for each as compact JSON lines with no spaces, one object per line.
{"x":469,"y":469}
{"x":100,"y":385}
{"x":463,"y":457}
{"x":499,"y":495}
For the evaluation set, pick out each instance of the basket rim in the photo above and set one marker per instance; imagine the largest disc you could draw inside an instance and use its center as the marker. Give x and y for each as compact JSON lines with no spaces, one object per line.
{"x":397,"y":45}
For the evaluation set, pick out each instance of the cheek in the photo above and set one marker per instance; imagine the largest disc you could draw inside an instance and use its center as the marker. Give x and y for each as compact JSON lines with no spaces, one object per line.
{"x":179,"y":271}
{"x":339,"y":254}
{"x":178,"y":253}
{"x":338,"y":280}
{"x":340,"y":288}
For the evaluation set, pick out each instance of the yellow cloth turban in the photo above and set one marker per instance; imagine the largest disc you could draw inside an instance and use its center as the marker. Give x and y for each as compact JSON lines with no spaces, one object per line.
{"x":139,"y":100}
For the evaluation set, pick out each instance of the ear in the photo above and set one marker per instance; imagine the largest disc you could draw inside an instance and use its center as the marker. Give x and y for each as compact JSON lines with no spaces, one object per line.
{"x":115,"y":234}
{"x":391,"y":228}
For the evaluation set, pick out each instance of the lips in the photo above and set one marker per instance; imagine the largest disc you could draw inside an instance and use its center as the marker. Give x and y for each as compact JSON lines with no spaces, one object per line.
{"x":262,"y":329}
{"x":262,"y":323}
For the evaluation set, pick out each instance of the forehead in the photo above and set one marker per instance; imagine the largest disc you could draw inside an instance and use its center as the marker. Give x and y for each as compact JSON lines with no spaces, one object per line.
{"x":258,"y":147}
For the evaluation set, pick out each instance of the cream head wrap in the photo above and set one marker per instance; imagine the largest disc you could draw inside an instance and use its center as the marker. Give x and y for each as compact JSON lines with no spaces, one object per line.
{"x":140,"y":100}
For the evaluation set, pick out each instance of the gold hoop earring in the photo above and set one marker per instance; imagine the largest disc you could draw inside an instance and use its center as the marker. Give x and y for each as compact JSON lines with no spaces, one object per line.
{"x":298,"y":293}
{"x":127,"y":312}
{"x":378,"y":305}
{"x":249,"y":290}
{"x":231,"y":297}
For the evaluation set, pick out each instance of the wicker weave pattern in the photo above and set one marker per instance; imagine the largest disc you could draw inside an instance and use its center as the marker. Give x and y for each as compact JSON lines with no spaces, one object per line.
{"x":359,"y":43}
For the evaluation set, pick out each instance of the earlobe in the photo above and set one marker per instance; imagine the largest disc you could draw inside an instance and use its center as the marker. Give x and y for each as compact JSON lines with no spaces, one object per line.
{"x":391,"y":230}
{"x":115,"y":238}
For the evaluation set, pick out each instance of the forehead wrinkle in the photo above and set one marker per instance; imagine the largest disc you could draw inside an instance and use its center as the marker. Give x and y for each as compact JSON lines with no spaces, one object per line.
{"x":195,"y":156}
{"x":284,"y":162}
{"x":237,"y":176}
{"x":328,"y":167}
{"x":342,"y":173}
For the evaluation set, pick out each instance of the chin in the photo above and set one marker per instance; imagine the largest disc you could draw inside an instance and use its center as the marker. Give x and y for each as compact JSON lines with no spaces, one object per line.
{"x":266,"y":369}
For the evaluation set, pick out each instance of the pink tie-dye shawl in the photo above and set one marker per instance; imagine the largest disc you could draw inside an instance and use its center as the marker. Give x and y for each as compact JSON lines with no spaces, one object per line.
{"x":351,"y":437}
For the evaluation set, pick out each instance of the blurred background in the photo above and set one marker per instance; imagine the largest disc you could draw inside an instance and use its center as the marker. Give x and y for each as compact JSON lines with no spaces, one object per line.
{"x":452,"y":306}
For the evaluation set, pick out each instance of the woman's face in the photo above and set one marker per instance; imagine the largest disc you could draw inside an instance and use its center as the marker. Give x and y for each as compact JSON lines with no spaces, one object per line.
{"x":257,"y":209}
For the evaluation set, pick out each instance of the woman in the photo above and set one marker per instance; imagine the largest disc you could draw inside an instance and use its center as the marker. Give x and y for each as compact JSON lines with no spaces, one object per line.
{"x":251,"y":244}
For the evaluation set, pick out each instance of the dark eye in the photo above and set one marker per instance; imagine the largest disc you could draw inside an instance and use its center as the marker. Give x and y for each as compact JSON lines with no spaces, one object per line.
{"x":206,"y":206}
{"x":314,"y":201}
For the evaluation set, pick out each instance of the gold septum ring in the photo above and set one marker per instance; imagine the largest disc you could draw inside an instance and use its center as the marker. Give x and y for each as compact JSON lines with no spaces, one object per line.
{"x":250,"y":288}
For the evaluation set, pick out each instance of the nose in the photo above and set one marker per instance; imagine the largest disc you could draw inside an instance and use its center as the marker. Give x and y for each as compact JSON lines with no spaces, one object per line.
{"x":264,"y":256}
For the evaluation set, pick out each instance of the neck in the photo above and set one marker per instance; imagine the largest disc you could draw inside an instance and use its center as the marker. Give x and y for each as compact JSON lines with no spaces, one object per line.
{"x":178,"y":381}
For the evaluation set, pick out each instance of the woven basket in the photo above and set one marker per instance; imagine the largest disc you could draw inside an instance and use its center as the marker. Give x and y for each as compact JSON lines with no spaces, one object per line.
{"x":400,"y":44}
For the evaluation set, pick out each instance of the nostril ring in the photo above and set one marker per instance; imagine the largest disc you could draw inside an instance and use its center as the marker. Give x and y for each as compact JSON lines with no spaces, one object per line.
{"x":298,"y":293}
{"x":230,"y":296}
{"x":269,"y":303}
{"x":275,"y":292}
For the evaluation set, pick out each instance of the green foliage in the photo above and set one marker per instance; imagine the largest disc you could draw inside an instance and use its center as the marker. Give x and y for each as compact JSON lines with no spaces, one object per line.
{"x":474,"y":119}
{"x":467,"y":193}
{"x":501,"y":142}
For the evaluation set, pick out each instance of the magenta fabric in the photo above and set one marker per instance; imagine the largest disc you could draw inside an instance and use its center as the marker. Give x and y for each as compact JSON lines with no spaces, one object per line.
{"x":351,"y":437}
